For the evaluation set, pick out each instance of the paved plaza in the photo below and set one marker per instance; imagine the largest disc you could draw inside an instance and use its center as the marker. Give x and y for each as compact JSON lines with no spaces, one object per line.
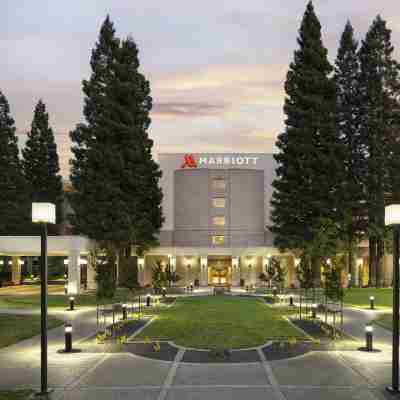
{"x":349,"y":374}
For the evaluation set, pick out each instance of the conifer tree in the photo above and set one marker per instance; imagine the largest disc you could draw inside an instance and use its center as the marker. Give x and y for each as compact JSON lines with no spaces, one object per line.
{"x":310,"y":158}
{"x":40,"y":161}
{"x":14,"y":205}
{"x":380,"y":111}
{"x":352,"y":224}
{"x":116,"y":198}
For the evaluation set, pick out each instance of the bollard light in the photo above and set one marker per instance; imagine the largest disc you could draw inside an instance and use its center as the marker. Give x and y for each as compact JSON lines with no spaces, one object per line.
{"x":71,"y":303}
{"x":291,"y":301}
{"x":372,"y":302}
{"x":191,"y":287}
{"x":65,"y":289}
{"x":314,"y":311}
{"x":164,"y":292}
{"x":148,"y":300}
{"x":369,"y":330}
{"x":124,"y":313}
{"x":68,"y":338}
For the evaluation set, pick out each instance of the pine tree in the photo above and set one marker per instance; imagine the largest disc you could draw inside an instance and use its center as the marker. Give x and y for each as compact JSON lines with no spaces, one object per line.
{"x":116,"y":198}
{"x":310,"y":160}
{"x":14,"y":205}
{"x":40,"y":162}
{"x":347,"y":70}
{"x":380,"y":111}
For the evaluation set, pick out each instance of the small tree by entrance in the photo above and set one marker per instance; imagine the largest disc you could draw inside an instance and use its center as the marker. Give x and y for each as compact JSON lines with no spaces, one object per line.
{"x":171,"y":276}
{"x":275,"y":273}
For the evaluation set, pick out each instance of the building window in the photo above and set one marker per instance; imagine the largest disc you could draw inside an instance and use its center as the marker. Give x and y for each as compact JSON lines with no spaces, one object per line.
{"x":219,"y":202}
{"x":219,"y":184}
{"x":220,"y":221}
{"x":218,"y":240}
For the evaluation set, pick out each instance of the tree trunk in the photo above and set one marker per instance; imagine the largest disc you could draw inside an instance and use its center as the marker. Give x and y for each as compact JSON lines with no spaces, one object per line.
{"x":316,"y":272}
{"x":351,"y":271}
{"x":372,"y":262}
{"x":379,"y":262}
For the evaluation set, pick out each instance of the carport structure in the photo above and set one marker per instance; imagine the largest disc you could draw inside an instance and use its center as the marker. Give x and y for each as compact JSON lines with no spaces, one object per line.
{"x":70,"y":246}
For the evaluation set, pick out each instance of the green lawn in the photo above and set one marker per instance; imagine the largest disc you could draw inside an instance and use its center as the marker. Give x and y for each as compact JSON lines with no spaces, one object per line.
{"x":54,"y":300}
{"x":359,"y":297}
{"x":14,"y":328}
{"x":220,"y":322}
{"x":15,"y":395}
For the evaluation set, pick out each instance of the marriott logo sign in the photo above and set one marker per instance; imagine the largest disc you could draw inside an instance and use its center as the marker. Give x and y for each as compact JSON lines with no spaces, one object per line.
{"x":234,"y":160}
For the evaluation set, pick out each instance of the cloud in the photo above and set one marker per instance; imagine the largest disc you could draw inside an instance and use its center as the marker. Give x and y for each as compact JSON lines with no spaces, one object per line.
{"x":186,"y":109}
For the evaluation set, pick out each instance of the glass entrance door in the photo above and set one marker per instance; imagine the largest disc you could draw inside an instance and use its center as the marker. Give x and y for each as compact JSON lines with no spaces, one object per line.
{"x":219,"y":274}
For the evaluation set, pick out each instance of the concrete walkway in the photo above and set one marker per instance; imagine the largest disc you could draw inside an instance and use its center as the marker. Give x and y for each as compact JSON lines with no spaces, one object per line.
{"x":355,"y":320}
{"x":328,"y":375}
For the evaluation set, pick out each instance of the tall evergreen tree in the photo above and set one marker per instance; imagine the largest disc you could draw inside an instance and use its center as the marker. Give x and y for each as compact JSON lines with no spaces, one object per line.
{"x":14,"y":205}
{"x":380,"y":91}
{"x":117,"y":199}
{"x":40,"y":161}
{"x":347,"y":70}
{"x":310,"y":160}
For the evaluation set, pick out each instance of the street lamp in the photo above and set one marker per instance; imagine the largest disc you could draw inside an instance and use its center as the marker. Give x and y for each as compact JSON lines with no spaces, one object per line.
{"x":43,"y":214}
{"x":392,"y":218}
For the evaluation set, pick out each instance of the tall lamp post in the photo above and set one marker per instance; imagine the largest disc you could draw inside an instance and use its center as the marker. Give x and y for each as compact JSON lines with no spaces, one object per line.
{"x":43,"y":214}
{"x":392,"y":218}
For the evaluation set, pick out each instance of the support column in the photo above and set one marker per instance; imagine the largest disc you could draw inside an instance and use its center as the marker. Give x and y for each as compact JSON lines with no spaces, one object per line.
{"x":16,"y":270}
{"x":141,"y":264}
{"x":253,"y":271}
{"x":74,"y":273}
{"x":235,"y":272}
{"x":296,"y":262}
{"x":387,"y":270}
{"x":285,"y":266}
{"x":358,"y":264}
{"x":203,"y":271}
{"x":91,"y":273}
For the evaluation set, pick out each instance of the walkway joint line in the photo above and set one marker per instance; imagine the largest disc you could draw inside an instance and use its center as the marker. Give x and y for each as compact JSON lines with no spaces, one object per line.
{"x":171,"y":375}
{"x":271,"y":377}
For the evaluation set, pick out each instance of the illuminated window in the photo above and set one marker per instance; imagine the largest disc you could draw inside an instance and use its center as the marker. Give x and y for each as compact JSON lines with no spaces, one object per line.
{"x":219,"y":202}
{"x":219,"y":184}
{"x":218,"y":240}
{"x":220,"y":221}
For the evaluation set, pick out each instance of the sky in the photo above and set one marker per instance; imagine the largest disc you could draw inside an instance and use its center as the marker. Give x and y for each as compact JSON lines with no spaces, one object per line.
{"x":216,"y":67}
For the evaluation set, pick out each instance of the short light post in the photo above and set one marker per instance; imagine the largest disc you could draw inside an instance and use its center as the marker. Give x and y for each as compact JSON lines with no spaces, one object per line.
{"x":314,"y":311}
{"x":392,"y":218}
{"x":369,"y":336}
{"x":148,"y":300}
{"x":372,"y":302}
{"x":68,"y":338}
{"x":71,"y":303}
{"x":124,"y":312}
{"x":43,"y":214}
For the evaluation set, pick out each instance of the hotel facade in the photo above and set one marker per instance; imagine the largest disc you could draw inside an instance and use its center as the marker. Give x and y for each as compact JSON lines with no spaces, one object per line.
{"x":217,"y":212}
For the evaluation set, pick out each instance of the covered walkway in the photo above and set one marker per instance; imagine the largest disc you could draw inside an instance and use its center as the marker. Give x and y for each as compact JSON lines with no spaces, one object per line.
{"x":71,"y":247}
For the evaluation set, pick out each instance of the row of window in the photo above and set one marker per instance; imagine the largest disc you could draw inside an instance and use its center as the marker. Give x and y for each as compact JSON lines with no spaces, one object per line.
{"x":219,"y":202}
{"x":218,"y":240}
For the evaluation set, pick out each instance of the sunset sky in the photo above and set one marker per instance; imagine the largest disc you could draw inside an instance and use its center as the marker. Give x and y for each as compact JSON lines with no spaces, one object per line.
{"x":216,"y":67}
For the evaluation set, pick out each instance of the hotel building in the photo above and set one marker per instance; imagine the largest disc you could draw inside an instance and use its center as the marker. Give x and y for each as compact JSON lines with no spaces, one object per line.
{"x":217,"y":212}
